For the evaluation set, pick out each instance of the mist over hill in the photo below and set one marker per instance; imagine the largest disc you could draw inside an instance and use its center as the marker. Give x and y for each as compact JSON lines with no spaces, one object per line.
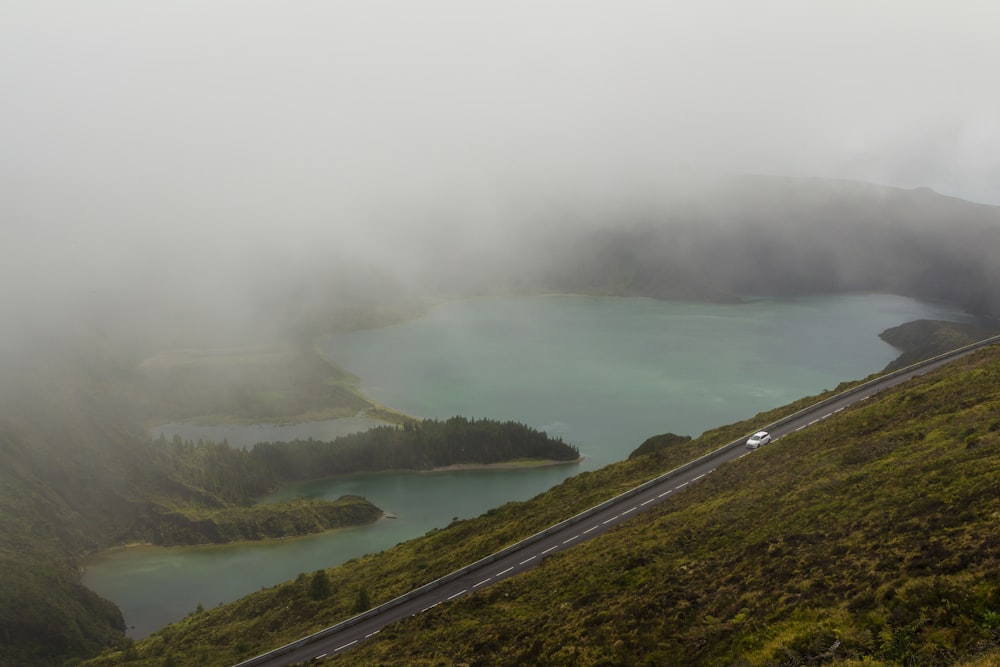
{"x":743,"y":236}
{"x":697,"y":237}
{"x":244,"y":177}
{"x":76,"y":389}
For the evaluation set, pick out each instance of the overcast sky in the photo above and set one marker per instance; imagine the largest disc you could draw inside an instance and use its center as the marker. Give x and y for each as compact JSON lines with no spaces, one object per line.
{"x":147,"y":137}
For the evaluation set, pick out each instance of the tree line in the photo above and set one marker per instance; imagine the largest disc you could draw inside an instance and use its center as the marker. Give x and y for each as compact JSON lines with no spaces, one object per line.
{"x":212,"y":474}
{"x":419,"y":445}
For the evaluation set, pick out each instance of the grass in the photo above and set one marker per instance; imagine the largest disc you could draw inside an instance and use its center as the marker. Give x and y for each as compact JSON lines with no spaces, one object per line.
{"x":870,"y":539}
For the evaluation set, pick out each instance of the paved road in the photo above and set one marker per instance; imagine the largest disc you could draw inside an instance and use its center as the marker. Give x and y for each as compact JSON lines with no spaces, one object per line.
{"x":532,"y":551}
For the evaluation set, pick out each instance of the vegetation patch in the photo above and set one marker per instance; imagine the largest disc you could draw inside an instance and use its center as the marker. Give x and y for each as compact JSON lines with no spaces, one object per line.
{"x":923,"y":339}
{"x":196,"y":525}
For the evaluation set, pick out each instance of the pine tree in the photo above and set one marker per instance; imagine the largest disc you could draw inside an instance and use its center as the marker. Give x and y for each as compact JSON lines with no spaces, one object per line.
{"x":319,"y":587}
{"x":363,"y":601}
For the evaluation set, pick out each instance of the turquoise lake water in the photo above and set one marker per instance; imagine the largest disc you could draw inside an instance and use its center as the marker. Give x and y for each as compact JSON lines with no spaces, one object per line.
{"x":602,"y":373}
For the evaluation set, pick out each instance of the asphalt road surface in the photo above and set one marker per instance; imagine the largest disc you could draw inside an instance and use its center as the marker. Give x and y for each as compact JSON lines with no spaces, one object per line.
{"x":586,"y":525}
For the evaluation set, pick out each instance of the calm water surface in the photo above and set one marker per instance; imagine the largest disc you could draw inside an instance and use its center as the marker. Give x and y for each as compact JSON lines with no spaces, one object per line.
{"x":603,"y":373}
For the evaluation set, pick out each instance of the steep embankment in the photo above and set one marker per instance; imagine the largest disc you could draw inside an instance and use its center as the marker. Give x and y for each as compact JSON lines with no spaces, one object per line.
{"x":871,"y":536}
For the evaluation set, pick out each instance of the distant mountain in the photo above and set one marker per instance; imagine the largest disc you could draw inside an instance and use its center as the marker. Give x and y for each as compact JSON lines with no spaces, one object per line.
{"x":767,"y":235}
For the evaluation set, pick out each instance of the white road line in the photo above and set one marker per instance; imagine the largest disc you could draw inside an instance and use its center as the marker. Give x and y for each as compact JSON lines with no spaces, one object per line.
{"x":421,"y":611}
{"x":698,"y":477}
{"x":837,"y":410}
{"x":630,"y":509}
{"x":461,"y":592}
{"x":571,"y":539}
{"x":611,"y":519}
{"x":481,"y":582}
{"x":370,"y":634}
{"x":550,"y":549}
{"x":665,"y":493}
{"x":646,"y":502}
{"x":528,"y":560}
{"x":681,"y":486}
{"x":320,"y":657}
{"x":815,"y":421}
{"x":341,"y":648}
{"x":590,"y":529}
{"x":500,"y":574}
{"x":800,"y":428}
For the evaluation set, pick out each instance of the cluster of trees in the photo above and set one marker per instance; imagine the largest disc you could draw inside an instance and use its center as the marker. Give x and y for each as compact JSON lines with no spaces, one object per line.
{"x":209,"y":472}
{"x":202,"y":492}
{"x":416,"y":446}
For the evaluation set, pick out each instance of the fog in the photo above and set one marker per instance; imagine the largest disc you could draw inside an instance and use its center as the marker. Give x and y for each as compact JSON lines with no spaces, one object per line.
{"x":194,"y":158}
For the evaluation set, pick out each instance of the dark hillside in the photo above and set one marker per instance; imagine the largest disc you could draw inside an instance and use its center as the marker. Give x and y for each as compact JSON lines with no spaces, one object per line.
{"x":78,"y":474}
{"x":59,"y":499}
{"x":924,"y":339}
{"x":762,"y":235}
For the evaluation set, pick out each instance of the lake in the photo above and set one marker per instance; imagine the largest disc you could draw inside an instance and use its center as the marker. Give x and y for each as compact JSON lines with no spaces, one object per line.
{"x":602,"y":373}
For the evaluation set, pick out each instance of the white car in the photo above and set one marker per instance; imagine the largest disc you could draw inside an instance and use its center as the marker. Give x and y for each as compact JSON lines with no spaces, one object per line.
{"x":757,"y":439}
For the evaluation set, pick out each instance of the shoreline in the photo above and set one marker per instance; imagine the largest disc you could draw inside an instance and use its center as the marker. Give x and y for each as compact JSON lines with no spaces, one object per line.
{"x":517,"y":464}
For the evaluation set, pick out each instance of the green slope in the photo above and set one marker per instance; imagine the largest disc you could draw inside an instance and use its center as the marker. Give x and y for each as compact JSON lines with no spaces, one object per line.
{"x":871,"y":538}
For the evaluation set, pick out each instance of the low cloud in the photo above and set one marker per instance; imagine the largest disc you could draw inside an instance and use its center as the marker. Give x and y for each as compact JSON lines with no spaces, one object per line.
{"x":191,"y":155}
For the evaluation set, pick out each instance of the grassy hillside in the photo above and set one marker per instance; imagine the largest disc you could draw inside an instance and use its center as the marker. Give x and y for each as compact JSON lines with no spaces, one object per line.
{"x":871,"y":537}
{"x":868,"y":539}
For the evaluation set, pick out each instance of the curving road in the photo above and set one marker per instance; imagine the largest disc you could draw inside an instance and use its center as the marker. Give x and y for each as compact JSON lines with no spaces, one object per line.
{"x":531,"y":551}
